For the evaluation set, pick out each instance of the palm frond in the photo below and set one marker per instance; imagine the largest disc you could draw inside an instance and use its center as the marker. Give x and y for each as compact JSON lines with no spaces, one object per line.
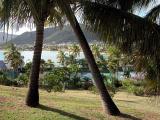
{"x":126,"y":5}
{"x":154,"y":13}
{"x":20,"y":12}
{"x":124,"y":29}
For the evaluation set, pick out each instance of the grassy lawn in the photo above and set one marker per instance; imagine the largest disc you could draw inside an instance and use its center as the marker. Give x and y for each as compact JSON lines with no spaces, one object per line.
{"x":74,"y":105}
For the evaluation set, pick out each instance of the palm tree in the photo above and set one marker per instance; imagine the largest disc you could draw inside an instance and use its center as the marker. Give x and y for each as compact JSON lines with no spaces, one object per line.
{"x":74,"y":50}
{"x":50,"y":64}
{"x":95,"y":51}
{"x":108,"y":103}
{"x":61,"y":57}
{"x":41,"y":11}
{"x":125,"y":30}
{"x":154,"y":16}
{"x":38,"y":11}
{"x":13,"y":57}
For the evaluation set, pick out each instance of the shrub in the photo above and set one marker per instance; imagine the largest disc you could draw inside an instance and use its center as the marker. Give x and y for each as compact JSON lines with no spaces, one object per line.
{"x":109,"y":83}
{"x":139,"y":91}
{"x":55,"y":80}
{"x":93,"y":89}
{"x":52,"y":82}
{"x":22,"y":80}
{"x":86,"y":83}
{"x":3,"y":78}
{"x":135,"y":87}
{"x":74,"y":83}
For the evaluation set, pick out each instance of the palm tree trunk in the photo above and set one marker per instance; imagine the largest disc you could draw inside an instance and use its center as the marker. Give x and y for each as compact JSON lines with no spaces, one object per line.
{"x":108,"y":103}
{"x":33,"y":94}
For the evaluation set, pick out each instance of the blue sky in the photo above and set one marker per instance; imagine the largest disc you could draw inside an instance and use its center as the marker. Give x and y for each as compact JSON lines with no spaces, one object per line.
{"x":143,"y":11}
{"x":140,"y":12}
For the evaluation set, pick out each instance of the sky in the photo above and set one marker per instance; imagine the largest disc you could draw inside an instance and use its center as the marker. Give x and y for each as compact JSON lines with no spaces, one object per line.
{"x":143,"y":11}
{"x":28,"y":28}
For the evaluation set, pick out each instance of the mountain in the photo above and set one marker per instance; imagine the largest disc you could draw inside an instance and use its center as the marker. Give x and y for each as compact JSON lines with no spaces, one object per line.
{"x":54,"y":36}
{"x":6,"y":37}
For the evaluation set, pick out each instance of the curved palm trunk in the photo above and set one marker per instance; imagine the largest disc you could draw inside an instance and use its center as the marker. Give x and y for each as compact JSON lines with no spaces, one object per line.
{"x":108,"y":103}
{"x":33,"y":94}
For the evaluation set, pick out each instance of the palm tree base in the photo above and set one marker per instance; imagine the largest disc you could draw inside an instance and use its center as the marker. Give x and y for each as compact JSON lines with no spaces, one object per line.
{"x":32,"y":99}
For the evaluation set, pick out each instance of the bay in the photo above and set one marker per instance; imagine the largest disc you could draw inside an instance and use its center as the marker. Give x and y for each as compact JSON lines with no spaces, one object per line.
{"x":46,"y":55}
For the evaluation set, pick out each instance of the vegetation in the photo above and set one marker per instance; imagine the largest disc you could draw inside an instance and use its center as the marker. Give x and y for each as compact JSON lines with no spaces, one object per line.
{"x":55,"y":80}
{"x":45,"y":11}
{"x":73,"y":105}
{"x":115,"y":24}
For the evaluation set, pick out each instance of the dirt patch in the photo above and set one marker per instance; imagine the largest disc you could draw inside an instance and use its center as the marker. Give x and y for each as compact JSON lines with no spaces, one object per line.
{"x":3,"y":99}
{"x":11,"y":104}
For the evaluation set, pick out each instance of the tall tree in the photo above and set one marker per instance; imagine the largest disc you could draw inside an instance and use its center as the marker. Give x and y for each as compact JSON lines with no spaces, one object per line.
{"x":38,"y":12}
{"x":108,"y":103}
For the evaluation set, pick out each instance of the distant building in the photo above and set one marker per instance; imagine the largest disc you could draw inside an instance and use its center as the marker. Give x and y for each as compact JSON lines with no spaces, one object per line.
{"x":2,"y":65}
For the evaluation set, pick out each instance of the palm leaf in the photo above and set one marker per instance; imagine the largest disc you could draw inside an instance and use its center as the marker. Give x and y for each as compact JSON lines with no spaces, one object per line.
{"x":154,"y":13}
{"x":123,"y":29}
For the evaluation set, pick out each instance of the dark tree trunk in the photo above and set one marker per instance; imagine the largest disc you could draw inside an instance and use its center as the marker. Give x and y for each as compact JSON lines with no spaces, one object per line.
{"x":108,"y":103}
{"x":33,"y":94}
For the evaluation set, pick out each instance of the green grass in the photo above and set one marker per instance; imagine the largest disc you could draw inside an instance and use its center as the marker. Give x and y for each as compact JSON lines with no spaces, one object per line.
{"x":74,"y":105}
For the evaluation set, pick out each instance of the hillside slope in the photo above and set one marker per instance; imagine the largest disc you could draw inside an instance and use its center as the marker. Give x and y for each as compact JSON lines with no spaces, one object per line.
{"x":6,"y":37}
{"x":53,"y":36}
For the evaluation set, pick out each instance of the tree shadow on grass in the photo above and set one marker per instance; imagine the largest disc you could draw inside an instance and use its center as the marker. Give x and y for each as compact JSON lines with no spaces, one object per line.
{"x":128,"y":117}
{"x":71,"y":115}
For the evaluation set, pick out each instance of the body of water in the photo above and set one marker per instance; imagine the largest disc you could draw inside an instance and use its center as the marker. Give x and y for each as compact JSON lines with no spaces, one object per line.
{"x":46,"y":55}
{"x":52,"y":55}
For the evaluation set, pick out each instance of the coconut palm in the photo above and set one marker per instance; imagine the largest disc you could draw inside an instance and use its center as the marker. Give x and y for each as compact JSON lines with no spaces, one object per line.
{"x":154,"y":16}
{"x":74,"y":50}
{"x":61,"y":57}
{"x":96,"y":52}
{"x":127,"y":31}
{"x":108,"y":103}
{"x":38,"y":12}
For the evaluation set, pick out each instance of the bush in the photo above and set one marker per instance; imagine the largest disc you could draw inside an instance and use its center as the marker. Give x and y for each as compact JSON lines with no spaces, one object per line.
{"x":135,"y":87}
{"x":109,"y":83}
{"x":55,"y":80}
{"x":74,"y":83}
{"x":93,"y":89}
{"x":86,"y":83}
{"x":139,"y":91}
{"x":52,"y":82}
{"x":3,"y":78}
{"x":22,"y":80}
